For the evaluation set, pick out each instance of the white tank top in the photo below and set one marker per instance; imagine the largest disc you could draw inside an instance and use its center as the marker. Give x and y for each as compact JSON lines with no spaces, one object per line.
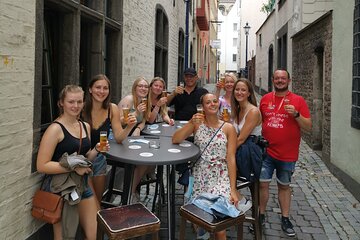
{"x":256,"y":131}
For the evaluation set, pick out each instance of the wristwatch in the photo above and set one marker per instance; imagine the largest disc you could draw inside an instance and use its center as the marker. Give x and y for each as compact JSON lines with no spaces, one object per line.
{"x":297,"y":114}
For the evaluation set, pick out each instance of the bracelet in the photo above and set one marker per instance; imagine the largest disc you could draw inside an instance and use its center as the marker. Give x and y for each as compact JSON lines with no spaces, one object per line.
{"x":96,"y":149}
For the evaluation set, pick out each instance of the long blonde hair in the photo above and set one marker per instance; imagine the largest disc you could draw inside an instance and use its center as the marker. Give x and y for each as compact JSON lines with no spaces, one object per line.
{"x":163,"y":109}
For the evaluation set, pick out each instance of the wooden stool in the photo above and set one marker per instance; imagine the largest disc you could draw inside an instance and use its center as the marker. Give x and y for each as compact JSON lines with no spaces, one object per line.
{"x":255,"y":199}
{"x":208,"y":222}
{"x":127,"y":222}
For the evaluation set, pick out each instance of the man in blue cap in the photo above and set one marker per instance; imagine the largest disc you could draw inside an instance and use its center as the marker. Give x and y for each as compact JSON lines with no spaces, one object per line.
{"x":186,"y":98}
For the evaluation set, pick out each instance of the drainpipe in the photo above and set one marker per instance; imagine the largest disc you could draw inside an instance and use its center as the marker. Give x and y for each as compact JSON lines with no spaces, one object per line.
{"x":187,"y":34}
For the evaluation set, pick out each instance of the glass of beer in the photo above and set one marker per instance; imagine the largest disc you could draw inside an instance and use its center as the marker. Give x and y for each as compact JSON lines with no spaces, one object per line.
{"x":182,"y":84}
{"x":286,"y":103}
{"x":103,"y":141}
{"x":164,"y":93}
{"x":199,"y":109}
{"x":222,"y":82}
{"x":144,"y":100}
{"x":126,"y":110}
{"x":226,"y":114}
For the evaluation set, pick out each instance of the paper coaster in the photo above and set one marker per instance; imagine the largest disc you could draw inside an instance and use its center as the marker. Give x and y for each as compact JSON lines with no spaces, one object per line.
{"x":183,"y":122}
{"x":166,"y":125}
{"x":146,"y":154}
{"x":155,"y":131}
{"x":185,"y":144}
{"x":134,"y":146}
{"x":174,"y":150}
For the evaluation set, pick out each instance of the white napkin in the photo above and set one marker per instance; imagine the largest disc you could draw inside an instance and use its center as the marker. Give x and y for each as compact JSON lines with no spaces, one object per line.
{"x":153,"y":126}
{"x":138,"y":141}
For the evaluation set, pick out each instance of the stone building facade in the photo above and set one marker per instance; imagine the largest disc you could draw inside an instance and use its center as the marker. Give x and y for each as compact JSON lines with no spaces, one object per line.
{"x":47,"y":44}
{"x":311,"y":78}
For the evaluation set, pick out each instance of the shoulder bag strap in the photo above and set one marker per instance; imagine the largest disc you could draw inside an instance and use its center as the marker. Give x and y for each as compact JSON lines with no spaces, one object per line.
{"x":80,"y":138}
{"x":191,"y":165}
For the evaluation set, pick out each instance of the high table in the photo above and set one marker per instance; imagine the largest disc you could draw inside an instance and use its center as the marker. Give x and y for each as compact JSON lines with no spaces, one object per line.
{"x":135,"y":151}
{"x":162,"y":129}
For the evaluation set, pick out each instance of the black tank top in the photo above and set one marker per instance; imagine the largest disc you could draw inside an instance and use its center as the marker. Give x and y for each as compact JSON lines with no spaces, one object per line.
{"x":71,"y":144}
{"x":95,"y":133}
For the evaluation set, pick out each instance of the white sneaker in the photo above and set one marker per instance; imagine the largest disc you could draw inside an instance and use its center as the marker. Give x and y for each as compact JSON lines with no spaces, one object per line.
{"x":244,"y":205}
{"x":202,"y":234}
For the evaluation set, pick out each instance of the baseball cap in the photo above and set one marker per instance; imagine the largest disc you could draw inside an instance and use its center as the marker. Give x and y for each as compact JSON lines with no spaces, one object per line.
{"x":190,"y":71}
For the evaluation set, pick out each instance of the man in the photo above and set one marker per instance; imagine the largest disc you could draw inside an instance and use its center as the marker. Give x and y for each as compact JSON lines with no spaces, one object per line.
{"x":186,"y":98}
{"x":284,"y":114}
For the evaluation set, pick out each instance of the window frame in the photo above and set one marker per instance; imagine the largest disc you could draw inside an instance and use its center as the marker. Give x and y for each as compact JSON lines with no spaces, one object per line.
{"x":355,"y":93}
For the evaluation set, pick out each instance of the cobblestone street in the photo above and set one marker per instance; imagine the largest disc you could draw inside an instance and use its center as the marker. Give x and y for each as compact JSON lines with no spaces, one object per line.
{"x":321,"y":207}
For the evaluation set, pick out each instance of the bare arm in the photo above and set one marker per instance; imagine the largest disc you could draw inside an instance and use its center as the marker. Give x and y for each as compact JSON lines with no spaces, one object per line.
{"x":231,"y":162}
{"x":253,"y":119}
{"x":52,"y":136}
{"x":304,"y":123}
{"x":119,"y":133}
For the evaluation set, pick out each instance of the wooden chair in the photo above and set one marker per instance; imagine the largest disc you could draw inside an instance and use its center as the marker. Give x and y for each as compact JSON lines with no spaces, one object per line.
{"x":255,"y":198}
{"x":126,"y":222}
{"x":208,"y":222}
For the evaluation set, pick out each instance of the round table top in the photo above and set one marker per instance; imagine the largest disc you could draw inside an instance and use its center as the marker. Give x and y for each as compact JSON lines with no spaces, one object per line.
{"x":136,"y":150}
{"x":162,"y":129}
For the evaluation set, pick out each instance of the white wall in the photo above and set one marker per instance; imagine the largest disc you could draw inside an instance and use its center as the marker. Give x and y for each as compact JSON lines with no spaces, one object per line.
{"x":17,"y":55}
{"x":345,"y":140}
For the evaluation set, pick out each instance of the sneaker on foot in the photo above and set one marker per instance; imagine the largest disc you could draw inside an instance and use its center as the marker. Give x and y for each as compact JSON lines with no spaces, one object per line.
{"x":244,"y":205}
{"x":287,"y":227}
{"x":262,"y":222}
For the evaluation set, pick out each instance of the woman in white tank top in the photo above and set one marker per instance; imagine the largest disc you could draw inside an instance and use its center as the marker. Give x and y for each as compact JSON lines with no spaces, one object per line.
{"x":244,"y":110}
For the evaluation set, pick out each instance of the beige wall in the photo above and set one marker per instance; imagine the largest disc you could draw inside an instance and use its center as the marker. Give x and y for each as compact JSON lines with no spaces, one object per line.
{"x":139,"y":40}
{"x":345,"y":140}
{"x":17,"y":48}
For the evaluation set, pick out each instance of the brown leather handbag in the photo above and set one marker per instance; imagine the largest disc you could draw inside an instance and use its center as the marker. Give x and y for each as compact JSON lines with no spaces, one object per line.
{"x":47,"y":206}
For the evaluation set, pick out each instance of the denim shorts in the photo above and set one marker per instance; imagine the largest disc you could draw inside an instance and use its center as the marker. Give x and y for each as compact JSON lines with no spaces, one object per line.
{"x":284,"y":170}
{"x":99,"y":165}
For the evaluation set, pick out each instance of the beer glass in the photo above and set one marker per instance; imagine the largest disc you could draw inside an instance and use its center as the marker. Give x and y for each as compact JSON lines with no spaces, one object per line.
{"x":103,"y":141}
{"x":126,"y":110}
{"x":164,"y":93}
{"x":226,"y":114}
{"x":199,"y":109}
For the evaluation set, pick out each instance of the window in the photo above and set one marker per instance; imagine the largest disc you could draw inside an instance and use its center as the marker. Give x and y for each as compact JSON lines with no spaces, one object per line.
{"x":235,"y":27}
{"x":355,"y":107}
{"x":161,"y":44}
{"x":68,"y":51}
{"x":181,"y":57}
{"x":234,"y":42}
{"x":234,"y":58}
{"x":260,"y":40}
{"x":219,"y":27}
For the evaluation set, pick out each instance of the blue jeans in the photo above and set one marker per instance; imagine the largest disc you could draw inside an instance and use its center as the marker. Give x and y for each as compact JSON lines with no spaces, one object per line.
{"x":99,"y":165}
{"x":284,"y":170}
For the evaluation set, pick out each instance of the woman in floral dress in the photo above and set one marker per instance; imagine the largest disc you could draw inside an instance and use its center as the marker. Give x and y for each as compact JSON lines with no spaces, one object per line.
{"x":215,"y":171}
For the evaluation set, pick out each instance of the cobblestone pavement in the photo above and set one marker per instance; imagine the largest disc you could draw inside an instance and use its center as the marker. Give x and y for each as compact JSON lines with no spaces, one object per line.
{"x":321,"y":207}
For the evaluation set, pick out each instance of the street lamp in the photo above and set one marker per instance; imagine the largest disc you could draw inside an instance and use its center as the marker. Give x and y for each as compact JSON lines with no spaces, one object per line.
{"x":247,"y":29}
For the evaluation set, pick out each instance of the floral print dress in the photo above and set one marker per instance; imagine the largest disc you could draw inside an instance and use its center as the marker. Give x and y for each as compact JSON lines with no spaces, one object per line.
{"x":211,"y":171}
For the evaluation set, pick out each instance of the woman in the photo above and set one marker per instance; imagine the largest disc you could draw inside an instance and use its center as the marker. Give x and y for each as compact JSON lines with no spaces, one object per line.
{"x":215,"y":171}
{"x":102,"y":115}
{"x":136,"y":103}
{"x":157,"y":108}
{"x":225,"y":100}
{"x":138,"y":108}
{"x":62,"y":136}
{"x":246,"y":115}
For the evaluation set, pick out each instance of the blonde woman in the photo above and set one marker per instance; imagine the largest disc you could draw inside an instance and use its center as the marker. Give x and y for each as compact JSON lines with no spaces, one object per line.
{"x":157,"y":109}
{"x":225,"y":100}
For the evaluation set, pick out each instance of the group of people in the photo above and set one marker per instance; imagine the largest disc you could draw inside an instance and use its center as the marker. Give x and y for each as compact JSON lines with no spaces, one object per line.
{"x":279,"y":119}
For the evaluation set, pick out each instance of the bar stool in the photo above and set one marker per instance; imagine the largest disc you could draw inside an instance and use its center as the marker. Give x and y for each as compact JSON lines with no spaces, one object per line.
{"x":126,"y":222}
{"x":208,"y":222}
{"x":255,"y":198}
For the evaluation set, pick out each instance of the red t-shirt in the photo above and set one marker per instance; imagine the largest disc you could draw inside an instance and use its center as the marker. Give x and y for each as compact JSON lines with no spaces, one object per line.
{"x":280,"y":128}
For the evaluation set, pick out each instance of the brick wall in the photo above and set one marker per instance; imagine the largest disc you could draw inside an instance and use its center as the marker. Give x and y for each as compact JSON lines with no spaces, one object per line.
{"x":139,"y":40}
{"x":308,"y":44}
{"x":17,"y":48}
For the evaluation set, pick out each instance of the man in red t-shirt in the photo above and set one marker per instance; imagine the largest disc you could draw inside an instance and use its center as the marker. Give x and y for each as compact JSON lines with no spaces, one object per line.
{"x":284,"y":114}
